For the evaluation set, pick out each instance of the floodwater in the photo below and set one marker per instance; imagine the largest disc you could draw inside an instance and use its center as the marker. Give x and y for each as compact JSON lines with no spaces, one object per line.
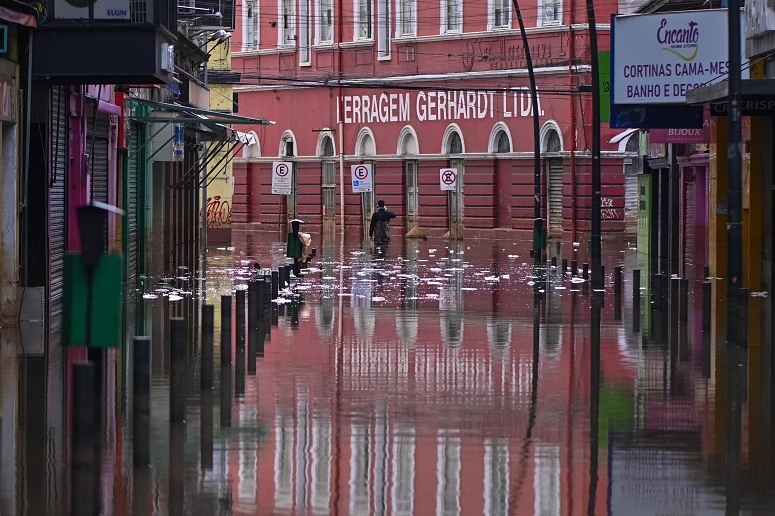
{"x":434,"y":378}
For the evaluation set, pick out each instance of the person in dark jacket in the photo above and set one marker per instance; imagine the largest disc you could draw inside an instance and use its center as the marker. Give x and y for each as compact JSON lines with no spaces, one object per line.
{"x":379,"y":229}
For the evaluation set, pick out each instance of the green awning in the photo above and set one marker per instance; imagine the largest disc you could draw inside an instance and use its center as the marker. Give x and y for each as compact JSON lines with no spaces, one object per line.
{"x":194,"y":115}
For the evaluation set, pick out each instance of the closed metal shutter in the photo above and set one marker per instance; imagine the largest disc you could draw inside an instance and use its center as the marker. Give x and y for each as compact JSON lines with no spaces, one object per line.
{"x":57,"y":207}
{"x":689,"y":215}
{"x":98,"y":166}
{"x":631,"y":197}
{"x":131,"y":205}
{"x":555,"y":197}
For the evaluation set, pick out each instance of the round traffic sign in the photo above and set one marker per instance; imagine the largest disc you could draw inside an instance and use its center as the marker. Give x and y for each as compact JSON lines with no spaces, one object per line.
{"x":282,"y":170}
{"x":448,"y":177}
{"x":361,"y":172}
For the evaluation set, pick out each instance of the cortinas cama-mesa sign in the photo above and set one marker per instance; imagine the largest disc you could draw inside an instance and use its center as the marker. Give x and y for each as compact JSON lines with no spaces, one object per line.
{"x":430,"y":106}
{"x":657,"y":58}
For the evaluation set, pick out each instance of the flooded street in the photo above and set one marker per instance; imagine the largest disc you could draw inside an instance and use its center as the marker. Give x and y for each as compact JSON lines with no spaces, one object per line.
{"x":435,"y":378}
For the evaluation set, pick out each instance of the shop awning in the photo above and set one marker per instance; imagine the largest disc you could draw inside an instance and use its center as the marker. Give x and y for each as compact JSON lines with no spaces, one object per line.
{"x":622,"y":138}
{"x":181,"y":114}
{"x":758,"y":97}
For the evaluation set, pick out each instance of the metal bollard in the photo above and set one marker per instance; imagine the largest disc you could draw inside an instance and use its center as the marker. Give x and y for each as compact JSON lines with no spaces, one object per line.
{"x":617,"y":280}
{"x":683,"y":312}
{"x":208,"y":337}
{"x":674,"y":302}
{"x":178,"y":368}
{"x":657,"y":296}
{"x":253,"y":309}
{"x":574,"y":268}
{"x":176,"y":476}
{"x":225,"y":330}
{"x":288,"y":276}
{"x":636,"y":300}
{"x":226,"y":395}
{"x":706,"y":272}
{"x":275,"y":284}
{"x":707,"y":291}
{"x":84,"y":435}
{"x":742,"y":317}
{"x":263,"y":294}
{"x":206,"y":424}
{"x":554,"y":261}
{"x":281,"y":278}
{"x":585,"y":271}
{"x":239,"y":366}
{"x":141,"y":402}
{"x":564,"y":265}
{"x":602,"y":277}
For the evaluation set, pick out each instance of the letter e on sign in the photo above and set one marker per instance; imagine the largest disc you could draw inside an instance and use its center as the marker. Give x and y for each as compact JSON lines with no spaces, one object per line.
{"x":282,"y":178}
{"x":448,"y":179}
{"x":362,"y":178}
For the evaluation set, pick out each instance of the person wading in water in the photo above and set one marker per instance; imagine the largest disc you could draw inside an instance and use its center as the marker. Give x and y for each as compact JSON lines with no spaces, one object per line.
{"x":379,"y":229}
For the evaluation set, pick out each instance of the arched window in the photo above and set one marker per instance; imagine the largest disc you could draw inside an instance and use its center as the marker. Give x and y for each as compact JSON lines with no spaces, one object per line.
{"x":288,"y":145}
{"x":454,"y":143}
{"x":502,"y":143}
{"x":407,"y":142}
{"x":553,"y":143}
{"x":365,"y":145}
{"x":252,"y":147}
{"x":633,"y":143}
{"x":327,"y":149}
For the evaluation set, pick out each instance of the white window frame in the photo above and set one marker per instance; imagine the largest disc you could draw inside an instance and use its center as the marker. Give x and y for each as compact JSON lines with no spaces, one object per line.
{"x":286,"y":36}
{"x":306,"y":32}
{"x":321,"y":21}
{"x":492,"y":5}
{"x":384,"y":33}
{"x":404,"y":7}
{"x":445,"y":29}
{"x":542,"y":21}
{"x":247,"y":44}
{"x":357,"y":28}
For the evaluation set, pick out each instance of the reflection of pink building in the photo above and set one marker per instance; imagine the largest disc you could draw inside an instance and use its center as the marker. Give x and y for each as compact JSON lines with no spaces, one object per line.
{"x":395,"y":422}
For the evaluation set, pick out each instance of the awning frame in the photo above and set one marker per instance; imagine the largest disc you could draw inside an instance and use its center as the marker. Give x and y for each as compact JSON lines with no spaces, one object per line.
{"x":209,"y":117}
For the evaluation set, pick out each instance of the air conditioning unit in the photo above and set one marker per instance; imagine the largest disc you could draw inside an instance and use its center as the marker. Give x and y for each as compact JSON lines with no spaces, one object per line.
{"x":103,"y":9}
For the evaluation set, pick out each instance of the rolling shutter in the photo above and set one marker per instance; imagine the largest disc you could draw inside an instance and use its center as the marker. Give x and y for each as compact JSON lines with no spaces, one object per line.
{"x":98,"y":166}
{"x":131,"y":204}
{"x":689,"y":223}
{"x":57,"y":206}
{"x":631,"y":196}
{"x":555,"y":197}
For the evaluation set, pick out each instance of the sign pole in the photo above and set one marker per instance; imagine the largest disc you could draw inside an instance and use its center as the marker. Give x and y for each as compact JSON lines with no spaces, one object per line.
{"x":538,"y":223}
{"x":596,"y":236}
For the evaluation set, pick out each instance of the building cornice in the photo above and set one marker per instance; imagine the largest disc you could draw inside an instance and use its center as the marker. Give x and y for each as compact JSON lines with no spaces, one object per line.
{"x":403,"y":79}
{"x":443,"y":157}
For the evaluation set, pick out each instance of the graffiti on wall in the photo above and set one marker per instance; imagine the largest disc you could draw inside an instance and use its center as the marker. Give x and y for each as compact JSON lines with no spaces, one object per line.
{"x":218,"y":212}
{"x":607,"y":210}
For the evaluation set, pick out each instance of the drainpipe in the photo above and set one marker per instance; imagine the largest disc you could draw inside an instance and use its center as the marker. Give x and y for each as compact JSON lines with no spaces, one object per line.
{"x":538,"y":225}
{"x":340,"y":112}
{"x":572,"y":98}
{"x":204,"y":206}
{"x":25,"y":177}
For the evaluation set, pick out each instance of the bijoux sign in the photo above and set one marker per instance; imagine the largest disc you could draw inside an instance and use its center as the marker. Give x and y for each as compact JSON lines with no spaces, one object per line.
{"x":657,"y":58}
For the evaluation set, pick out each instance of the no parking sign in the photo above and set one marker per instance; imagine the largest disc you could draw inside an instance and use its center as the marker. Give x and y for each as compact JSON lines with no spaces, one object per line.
{"x":362,"y":178}
{"x":448,"y":179}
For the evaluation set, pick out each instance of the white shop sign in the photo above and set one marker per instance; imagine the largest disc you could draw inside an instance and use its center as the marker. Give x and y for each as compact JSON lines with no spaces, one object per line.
{"x":448,"y":179}
{"x":282,"y":178}
{"x":362,"y":178}
{"x":657,"y":58}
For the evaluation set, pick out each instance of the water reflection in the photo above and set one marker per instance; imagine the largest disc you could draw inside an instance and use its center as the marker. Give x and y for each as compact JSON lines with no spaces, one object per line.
{"x":436,"y":379}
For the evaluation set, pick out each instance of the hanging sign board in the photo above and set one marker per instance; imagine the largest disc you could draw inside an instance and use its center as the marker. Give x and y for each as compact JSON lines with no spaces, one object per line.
{"x":282,"y":178}
{"x":448,"y":179}
{"x":362,"y":178}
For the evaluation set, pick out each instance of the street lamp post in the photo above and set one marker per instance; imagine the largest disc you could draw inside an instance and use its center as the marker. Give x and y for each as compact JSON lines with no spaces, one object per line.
{"x":596,"y":234}
{"x":539,"y":240}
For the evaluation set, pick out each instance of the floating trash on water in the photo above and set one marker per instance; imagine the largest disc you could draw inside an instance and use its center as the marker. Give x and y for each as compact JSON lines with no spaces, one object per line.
{"x":422,"y":261}
{"x":531,"y":283}
{"x":281,"y":301}
{"x":303,"y":287}
{"x":513,"y":256}
{"x":149,"y":296}
{"x":431,"y":250}
{"x":492,"y":278}
{"x":431,"y":256}
{"x":357,"y":253}
{"x":221,"y":248}
{"x":759,"y":294}
{"x":576,"y":279}
{"x":377,"y":298}
{"x":162,"y":290}
{"x":576,"y":244}
{"x":174,"y":297}
{"x":505,"y":276}
{"x":468,"y":288}
{"x":559,"y":288}
{"x":329,"y":277}
{"x":345,"y":294}
{"x":229,"y":248}
{"x":182,"y":268}
{"x":434,"y":269}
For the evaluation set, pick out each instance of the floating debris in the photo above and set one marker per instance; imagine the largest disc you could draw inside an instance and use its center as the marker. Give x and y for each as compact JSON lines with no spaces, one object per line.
{"x":576,"y":279}
{"x":149,"y":296}
{"x":377,"y":298}
{"x":174,"y":297}
{"x":492,"y":278}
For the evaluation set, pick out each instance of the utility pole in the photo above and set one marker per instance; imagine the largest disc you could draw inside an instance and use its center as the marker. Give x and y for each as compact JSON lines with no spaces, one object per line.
{"x":596,"y":236}
{"x":734,"y":180}
{"x":539,"y":240}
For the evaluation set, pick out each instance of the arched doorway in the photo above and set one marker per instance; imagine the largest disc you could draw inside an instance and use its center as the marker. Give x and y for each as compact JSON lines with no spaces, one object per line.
{"x":288,"y":152}
{"x":326,"y":152}
{"x":551,"y":147}
{"x":366,"y":149}
{"x":499,"y":145}
{"x":409,"y":149}
{"x":454,"y":147}
{"x":631,"y":185}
